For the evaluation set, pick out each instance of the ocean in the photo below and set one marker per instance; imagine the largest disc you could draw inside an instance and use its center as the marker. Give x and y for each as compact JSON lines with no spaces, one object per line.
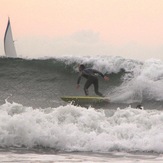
{"x":37,"y":126}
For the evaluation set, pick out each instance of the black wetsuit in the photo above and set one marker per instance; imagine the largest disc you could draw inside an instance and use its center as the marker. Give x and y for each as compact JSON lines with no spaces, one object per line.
{"x":90,"y":75}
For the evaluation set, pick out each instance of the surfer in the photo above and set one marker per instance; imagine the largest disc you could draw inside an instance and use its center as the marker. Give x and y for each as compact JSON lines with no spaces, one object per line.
{"x":91,"y":76}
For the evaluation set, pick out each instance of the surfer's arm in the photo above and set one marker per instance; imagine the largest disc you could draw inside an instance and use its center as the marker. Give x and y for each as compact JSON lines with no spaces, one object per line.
{"x":101,"y":74}
{"x":98,"y":72}
{"x":78,"y":81}
{"x":79,"y":78}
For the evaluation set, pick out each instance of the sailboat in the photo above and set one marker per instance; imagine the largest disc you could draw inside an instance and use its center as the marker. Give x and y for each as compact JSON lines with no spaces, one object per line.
{"x":9,"y":47}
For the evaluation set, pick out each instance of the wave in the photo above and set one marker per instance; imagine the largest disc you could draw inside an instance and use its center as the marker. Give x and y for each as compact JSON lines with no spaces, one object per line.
{"x":32,"y":81}
{"x":74,"y":128}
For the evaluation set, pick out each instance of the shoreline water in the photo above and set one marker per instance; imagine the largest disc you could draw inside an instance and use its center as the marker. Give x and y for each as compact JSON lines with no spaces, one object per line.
{"x":44,"y":156}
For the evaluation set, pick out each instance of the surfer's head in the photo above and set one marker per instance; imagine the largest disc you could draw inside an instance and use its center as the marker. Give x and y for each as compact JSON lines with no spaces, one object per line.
{"x":81,"y":67}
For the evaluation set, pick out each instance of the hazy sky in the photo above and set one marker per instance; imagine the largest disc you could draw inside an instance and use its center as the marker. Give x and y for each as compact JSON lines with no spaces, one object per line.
{"x":127,"y":28}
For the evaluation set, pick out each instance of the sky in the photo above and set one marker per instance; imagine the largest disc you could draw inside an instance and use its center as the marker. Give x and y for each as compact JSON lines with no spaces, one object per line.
{"x":48,"y":28}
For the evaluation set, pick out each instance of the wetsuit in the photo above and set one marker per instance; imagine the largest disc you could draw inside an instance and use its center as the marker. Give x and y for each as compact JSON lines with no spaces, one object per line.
{"x":91,"y":76}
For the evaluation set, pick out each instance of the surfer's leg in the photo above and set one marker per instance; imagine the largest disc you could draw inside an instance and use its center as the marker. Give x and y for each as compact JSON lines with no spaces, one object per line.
{"x":86,"y":86}
{"x":95,"y":83}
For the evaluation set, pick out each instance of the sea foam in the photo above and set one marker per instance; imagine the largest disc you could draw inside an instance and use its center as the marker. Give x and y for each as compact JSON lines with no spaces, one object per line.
{"x":74,"y":128}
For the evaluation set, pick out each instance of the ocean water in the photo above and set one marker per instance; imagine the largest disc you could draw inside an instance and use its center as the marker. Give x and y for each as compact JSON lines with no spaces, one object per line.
{"x":36,"y":125}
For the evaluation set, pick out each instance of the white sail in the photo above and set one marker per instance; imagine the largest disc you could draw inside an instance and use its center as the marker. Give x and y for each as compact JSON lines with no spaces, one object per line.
{"x":9,"y":43}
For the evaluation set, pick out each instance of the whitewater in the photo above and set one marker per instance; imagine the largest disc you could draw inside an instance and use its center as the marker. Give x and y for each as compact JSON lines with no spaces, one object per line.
{"x":34,"y":121}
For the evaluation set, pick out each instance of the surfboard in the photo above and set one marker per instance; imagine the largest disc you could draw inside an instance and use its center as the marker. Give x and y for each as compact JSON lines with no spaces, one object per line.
{"x":78,"y":100}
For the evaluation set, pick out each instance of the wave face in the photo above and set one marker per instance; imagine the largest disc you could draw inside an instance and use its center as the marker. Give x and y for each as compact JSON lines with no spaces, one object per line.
{"x":41,"y":82}
{"x":33,"y":116}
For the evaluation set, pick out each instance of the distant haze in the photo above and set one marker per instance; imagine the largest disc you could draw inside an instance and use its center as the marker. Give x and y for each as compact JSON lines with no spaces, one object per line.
{"x":128,"y":28}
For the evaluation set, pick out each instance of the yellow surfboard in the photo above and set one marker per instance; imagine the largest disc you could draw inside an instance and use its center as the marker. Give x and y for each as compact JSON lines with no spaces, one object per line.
{"x":85,"y":99}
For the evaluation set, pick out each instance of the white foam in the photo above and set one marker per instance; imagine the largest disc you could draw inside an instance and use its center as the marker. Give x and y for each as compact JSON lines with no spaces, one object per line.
{"x":72,"y":128}
{"x":104,"y":64}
